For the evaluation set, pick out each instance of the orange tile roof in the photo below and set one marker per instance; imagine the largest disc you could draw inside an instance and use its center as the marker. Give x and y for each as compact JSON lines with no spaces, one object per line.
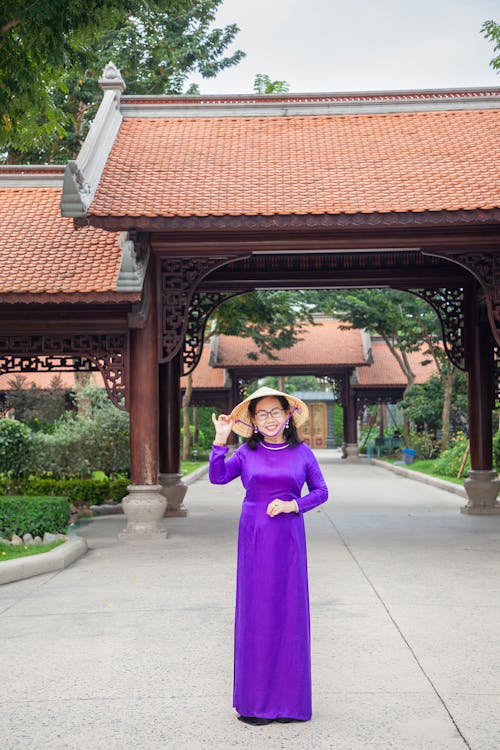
{"x":43,"y":253}
{"x":205,"y":376}
{"x":325,"y":164}
{"x":385,"y":370}
{"x":322,"y":344}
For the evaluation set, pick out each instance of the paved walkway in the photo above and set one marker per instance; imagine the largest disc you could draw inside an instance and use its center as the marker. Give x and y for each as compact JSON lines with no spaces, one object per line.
{"x":131,"y":647}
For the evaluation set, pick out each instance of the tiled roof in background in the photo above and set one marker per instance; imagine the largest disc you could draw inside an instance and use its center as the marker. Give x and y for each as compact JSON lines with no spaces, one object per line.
{"x":42,"y":253}
{"x":322,"y":344}
{"x":205,"y":376}
{"x":385,"y":371}
{"x":325,"y":164}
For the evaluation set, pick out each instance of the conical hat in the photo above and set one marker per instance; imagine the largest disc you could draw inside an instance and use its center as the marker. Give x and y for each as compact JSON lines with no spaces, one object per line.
{"x":241,"y":416}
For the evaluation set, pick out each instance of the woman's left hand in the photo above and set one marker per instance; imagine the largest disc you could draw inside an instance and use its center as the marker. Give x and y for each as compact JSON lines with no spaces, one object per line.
{"x":277,"y":506}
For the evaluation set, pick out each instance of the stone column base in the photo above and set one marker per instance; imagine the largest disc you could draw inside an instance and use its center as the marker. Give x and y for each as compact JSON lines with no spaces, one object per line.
{"x":352,"y":451}
{"x":482,"y":488}
{"x":173,"y":489}
{"x":143,"y":507}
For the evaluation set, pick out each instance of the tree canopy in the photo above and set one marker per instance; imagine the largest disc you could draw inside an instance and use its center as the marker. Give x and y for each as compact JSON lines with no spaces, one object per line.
{"x":52,"y":54}
{"x":273,"y":319}
{"x":491,"y":30}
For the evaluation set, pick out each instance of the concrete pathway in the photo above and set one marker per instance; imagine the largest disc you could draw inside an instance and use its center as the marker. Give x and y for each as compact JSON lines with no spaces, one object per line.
{"x":131,"y":646}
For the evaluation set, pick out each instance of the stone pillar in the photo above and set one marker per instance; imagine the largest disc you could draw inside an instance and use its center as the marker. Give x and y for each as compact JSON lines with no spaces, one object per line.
{"x":350,"y":437}
{"x":482,"y":484}
{"x":144,"y":505}
{"x":173,"y":489}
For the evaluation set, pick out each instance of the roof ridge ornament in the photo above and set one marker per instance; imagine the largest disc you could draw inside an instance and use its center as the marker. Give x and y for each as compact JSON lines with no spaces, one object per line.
{"x":111,"y":79}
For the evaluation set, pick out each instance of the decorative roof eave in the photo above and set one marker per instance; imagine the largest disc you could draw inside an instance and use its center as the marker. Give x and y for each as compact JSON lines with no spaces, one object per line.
{"x":82,"y":176}
{"x":288,"y":105}
{"x":295,"y":222}
{"x":68,"y":298}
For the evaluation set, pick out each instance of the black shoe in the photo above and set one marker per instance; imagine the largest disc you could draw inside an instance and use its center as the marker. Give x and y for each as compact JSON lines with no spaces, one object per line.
{"x":256,"y":720}
{"x":283,"y":720}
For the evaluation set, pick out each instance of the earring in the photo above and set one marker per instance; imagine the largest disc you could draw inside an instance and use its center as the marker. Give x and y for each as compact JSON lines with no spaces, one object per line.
{"x":255,"y":429}
{"x":287,"y":423}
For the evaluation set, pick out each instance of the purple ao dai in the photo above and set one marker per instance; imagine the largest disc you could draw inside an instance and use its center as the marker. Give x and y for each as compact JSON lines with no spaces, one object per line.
{"x":272,"y":646}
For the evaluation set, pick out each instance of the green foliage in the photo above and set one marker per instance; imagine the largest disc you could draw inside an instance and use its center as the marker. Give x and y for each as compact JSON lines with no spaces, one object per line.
{"x":202,"y":442}
{"x":263,"y":85}
{"x":77,"y":446}
{"x":448,"y":463}
{"x":496,"y":451}
{"x":491,"y":31}
{"x":79,"y":491}
{"x":395,"y":316}
{"x":33,"y":515}
{"x":338,"y":424}
{"x":16,"y":448}
{"x":425,"y":444}
{"x":52,"y":55}
{"x":273,"y":320}
{"x":424,"y":403}
{"x":37,"y":407}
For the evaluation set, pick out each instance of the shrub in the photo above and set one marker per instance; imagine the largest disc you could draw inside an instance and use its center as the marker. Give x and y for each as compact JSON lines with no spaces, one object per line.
{"x":16,"y":448}
{"x":496,"y":451}
{"x":78,"y":446}
{"x":33,"y":515}
{"x":449,"y":462}
{"x":87,"y":491}
{"x":426,"y":445}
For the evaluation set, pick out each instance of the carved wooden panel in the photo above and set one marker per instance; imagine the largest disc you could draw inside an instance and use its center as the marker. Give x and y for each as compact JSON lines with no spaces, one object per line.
{"x":178,"y":279}
{"x":202,"y":306}
{"x":105,"y":353}
{"x":449,"y":306}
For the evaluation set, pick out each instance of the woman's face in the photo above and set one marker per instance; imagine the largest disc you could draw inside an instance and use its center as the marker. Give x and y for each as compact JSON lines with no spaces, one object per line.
{"x":269,"y":415}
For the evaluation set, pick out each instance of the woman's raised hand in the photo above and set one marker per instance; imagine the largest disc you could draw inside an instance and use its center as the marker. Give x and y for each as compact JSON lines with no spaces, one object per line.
{"x":223,"y":426}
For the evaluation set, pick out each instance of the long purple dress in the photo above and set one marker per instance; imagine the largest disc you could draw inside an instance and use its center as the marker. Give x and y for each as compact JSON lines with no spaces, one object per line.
{"x":272,"y":645}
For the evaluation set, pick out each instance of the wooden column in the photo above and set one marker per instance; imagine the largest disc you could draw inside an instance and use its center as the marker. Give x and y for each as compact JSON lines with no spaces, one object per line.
{"x":170,"y":415}
{"x":144,"y":506}
{"x":170,"y":432}
{"x":482,"y":484}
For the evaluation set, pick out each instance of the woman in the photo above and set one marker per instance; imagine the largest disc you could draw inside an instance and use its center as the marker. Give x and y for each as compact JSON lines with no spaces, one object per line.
{"x":272,"y":652}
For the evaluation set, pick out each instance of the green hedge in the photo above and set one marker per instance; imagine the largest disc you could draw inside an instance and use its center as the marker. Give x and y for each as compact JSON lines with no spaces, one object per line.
{"x":88,"y":491}
{"x":496,"y":450}
{"x":33,"y":515}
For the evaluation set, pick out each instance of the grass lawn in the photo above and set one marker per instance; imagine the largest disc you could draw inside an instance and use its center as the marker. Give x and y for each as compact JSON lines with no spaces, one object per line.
{"x":426,"y":467}
{"x":188,"y":466}
{"x":8,"y":552}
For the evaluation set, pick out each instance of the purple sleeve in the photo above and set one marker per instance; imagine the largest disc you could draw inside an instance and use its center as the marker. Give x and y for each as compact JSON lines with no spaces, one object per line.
{"x":221,"y":471}
{"x":318,"y":491}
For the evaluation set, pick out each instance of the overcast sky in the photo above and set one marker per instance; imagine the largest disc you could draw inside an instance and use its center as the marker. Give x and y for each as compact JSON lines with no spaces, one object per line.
{"x":359,"y":45}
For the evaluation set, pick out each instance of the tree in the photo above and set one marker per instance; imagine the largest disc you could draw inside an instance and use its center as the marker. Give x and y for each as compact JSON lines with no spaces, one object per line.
{"x":50,"y":68}
{"x":406,"y":323}
{"x":263,"y":85}
{"x":491,"y":30}
{"x":390,"y":314}
{"x":272,"y":319}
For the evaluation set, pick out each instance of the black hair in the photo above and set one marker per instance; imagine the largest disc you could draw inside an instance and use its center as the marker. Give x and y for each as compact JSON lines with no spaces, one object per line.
{"x":290,"y":433}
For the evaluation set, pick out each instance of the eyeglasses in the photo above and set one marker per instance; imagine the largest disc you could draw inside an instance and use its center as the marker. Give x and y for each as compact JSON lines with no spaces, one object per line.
{"x":261,"y":416}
